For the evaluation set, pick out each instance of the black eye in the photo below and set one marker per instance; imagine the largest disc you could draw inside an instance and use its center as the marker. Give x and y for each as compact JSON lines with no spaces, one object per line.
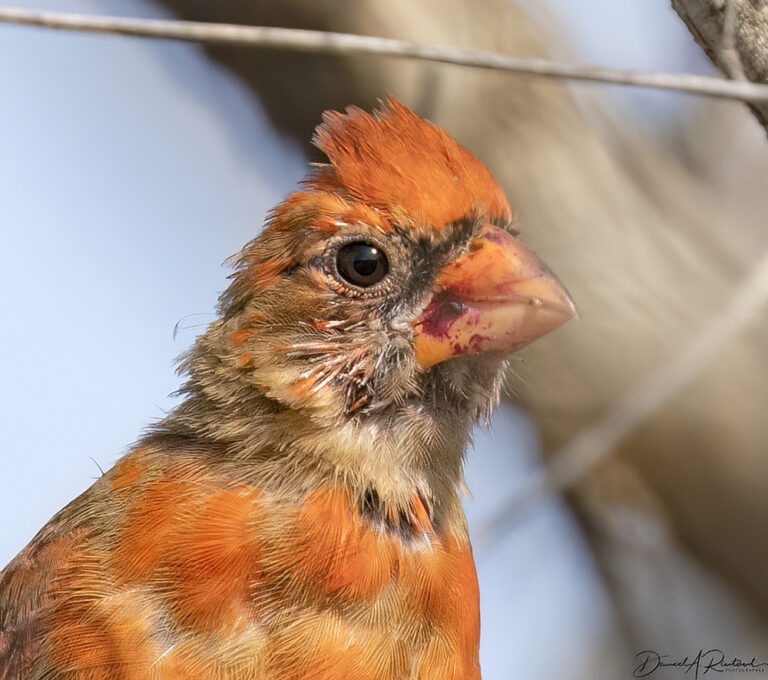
{"x":362,"y":263}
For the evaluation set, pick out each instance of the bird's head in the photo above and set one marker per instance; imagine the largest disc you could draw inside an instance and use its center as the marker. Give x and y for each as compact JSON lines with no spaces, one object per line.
{"x":393,"y":282}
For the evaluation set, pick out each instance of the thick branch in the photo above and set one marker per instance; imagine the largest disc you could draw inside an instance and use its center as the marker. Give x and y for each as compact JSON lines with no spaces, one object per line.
{"x":735,"y":37}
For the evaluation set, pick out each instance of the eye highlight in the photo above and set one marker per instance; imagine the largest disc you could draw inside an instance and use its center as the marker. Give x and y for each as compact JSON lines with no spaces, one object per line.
{"x":362,"y":264}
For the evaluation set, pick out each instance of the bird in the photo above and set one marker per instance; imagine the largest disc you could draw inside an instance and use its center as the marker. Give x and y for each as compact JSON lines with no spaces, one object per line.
{"x":298,"y":515}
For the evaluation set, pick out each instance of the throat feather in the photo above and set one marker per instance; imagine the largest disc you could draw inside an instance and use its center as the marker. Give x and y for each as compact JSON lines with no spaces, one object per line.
{"x":415,"y":519}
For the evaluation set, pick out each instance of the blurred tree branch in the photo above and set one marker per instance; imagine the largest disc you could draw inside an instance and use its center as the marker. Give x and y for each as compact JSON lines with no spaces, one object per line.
{"x":596,"y":443}
{"x":734,"y":36}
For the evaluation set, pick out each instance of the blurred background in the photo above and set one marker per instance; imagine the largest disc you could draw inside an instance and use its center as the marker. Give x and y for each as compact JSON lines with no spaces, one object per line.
{"x":130,"y":169}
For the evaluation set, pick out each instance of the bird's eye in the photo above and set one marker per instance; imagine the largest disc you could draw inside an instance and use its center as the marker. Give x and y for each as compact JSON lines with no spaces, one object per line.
{"x":362,"y":264}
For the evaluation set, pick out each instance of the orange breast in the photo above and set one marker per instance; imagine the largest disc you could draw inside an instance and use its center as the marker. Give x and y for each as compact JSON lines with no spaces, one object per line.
{"x":426,"y":591}
{"x":211,"y":580}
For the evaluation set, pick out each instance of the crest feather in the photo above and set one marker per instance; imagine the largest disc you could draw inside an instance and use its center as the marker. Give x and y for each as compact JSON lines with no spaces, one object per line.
{"x":404,"y":166}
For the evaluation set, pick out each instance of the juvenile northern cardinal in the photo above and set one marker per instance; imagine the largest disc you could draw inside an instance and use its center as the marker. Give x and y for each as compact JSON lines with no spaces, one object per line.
{"x":297,"y":517}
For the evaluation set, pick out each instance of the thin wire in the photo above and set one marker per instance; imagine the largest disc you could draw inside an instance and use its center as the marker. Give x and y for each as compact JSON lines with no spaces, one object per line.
{"x":344,"y":43}
{"x":596,"y":443}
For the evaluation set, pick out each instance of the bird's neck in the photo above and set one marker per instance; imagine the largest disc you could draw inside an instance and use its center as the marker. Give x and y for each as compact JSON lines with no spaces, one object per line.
{"x":391,"y":465}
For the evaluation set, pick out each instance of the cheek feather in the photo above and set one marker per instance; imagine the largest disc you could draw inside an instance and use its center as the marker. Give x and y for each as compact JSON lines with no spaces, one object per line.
{"x":301,"y":390}
{"x":240,"y":337}
{"x":245,"y":360}
{"x":268,"y":273}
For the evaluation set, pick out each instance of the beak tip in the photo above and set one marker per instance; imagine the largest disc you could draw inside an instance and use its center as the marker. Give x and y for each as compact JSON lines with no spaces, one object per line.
{"x":573,"y":310}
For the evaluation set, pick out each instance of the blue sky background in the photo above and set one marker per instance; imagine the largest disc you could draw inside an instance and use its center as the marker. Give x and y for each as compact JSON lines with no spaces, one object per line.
{"x":129,"y":171}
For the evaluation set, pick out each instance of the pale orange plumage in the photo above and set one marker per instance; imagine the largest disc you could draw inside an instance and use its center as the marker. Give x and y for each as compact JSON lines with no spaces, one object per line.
{"x":297,"y":517}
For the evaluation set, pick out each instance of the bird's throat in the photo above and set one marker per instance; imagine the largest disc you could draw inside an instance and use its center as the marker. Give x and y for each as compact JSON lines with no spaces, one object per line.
{"x":402,"y":473}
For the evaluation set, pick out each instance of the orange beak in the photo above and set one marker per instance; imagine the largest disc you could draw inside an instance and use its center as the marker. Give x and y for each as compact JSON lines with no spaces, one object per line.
{"x":498,"y":297}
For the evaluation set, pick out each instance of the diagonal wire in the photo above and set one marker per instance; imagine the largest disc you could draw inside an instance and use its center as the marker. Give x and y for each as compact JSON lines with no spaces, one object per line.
{"x":345,"y":43}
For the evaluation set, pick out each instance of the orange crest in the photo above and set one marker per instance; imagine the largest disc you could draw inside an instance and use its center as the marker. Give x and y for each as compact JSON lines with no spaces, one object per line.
{"x":404,"y":166}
